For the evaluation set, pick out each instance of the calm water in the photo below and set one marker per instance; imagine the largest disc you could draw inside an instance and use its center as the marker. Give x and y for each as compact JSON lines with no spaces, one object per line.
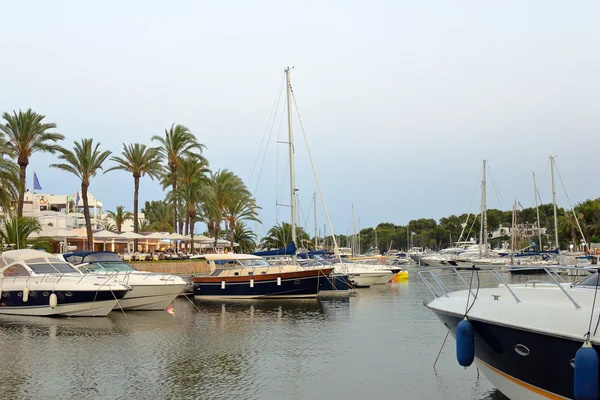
{"x":380,"y":344}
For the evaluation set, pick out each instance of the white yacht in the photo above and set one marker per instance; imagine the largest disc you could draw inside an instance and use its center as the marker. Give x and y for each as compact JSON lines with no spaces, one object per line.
{"x":37,"y":283}
{"x":525,"y":336}
{"x":150,"y":291}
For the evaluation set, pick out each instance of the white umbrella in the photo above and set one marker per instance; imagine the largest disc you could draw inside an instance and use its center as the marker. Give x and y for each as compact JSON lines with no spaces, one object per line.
{"x":175,"y":236}
{"x":104,"y":234}
{"x":131,"y":236}
{"x":198,"y":238}
{"x":155,"y":235}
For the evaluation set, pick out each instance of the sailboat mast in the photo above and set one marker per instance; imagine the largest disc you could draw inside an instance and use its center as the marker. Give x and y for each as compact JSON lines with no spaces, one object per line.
{"x":315,"y":215}
{"x":537,"y":210}
{"x":485,"y":236}
{"x":554,"y":202}
{"x":353,"y":243}
{"x":291,"y":147}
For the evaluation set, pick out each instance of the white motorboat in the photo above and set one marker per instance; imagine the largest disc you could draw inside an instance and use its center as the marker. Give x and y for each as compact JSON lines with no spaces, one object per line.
{"x":150,"y":291}
{"x":525,"y":336}
{"x":364,"y":275}
{"x":37,"y":283}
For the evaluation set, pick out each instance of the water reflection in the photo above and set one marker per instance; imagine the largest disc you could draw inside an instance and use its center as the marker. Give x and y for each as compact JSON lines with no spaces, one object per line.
{"x":379,"y":343}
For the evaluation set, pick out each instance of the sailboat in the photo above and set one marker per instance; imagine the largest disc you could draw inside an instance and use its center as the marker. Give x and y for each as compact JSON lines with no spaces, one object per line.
{"x":245,"y":276}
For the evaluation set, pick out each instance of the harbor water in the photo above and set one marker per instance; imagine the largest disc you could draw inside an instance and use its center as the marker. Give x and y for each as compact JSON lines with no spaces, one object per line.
{"x":379,"y":343}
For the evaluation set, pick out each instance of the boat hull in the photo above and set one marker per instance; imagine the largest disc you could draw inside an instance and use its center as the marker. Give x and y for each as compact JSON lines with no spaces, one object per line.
{"x":297,"y":284}
{"x":524,"y":374}
{"x":69,"y":303}
{"x":150,"y":297}
{"x":366,"y":279}
{"x":335,"y":285}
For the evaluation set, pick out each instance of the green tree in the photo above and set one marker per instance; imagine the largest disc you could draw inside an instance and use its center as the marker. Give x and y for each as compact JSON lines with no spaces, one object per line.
{"x":84,"y":162}
{"x":158,"y":214}
{"x":138,"y":160}
{"x":177,"y":143}
{"x":27,"y":134}
{"x":9,"y":179}
{"x":17,"y":231}
{"x":119,"y":216}
{"x":280,"y":236}
{"x":244,"y":237}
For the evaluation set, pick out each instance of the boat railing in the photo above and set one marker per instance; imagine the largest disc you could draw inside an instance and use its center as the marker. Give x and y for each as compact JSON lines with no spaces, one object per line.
{"x":437,"y":279}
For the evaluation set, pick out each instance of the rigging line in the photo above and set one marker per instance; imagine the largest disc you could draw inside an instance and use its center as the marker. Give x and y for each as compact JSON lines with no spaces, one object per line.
{"x":271,"y":116}
{"x":587,"y":246}
{"x":335,"y":244}
{"x":268,"y":140}
{"x":587,"y":335}
{"x":278,"y":188}
{"x":469,"y":213}
{"x":495,"y":188}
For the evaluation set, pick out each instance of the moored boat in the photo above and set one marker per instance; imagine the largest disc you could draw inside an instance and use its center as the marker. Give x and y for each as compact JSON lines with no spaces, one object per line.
{"x":245,"y":276}
{"x":523,"y":337}
{"x":37,"y":283}
{"x":150,"y":291}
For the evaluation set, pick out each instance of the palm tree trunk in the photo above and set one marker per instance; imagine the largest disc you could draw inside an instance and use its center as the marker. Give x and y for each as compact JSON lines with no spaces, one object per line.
{"x":231,"y":234}
{"x":136,"y":191}
{"x":191,"y":223}
{"x":187,"y":223}
{"x":22,"y":178}
{"x":86,"y":214}
{"x":174,"y":185}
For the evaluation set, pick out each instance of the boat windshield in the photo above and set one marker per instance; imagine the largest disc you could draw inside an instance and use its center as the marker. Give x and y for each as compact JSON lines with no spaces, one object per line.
{"x":55,"y":267}
{"x":591,"y":280}
{"x":103,"y":266}
{"x":253,"y":263}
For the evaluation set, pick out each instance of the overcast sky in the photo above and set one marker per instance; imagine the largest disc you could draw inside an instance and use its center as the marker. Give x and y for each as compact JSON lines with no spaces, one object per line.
{"x":400,"y":100}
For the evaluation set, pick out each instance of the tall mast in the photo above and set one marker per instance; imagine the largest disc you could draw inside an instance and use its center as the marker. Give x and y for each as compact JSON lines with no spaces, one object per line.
{"x":353,"y":243}
{"x":315,"y":215}
{"x":291,"y":147}
{"x":513,"y":239}
{"x":483,"y":220}
{"x":554,"y":202}
{"x":537,"y":210}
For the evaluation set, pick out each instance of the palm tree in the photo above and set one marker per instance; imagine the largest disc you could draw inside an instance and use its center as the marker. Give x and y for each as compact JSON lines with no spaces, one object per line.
{"x":119,"y":216}
{"x":158,"y":214}
{"x":191,"y":194}
{"x":240,"y":206}
{"x":280,"y":236}
{"x":145,"y":226}
{"x":9,"y":179}
{"x":244,"y":237}
{"x":191,"y":169}
{"x":17,"y":231}
{"x":27,"y":134}
{"x":108,"y":226}
{"x":139,"y":161}
{"x":84,"y":162}
{"x":177,"y":143}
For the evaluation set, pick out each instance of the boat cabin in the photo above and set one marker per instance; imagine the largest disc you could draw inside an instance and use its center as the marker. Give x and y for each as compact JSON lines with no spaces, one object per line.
{"x":98,"y":262}
{"x":31,"y":263}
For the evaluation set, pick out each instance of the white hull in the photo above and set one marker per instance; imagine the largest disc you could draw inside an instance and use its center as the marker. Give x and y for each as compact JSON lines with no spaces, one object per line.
{"x":91,"y":309}
{"x":512,"y":387}
{"x":150,"y":297}
{"x":365,"y":279}
{"x":384,"y":279}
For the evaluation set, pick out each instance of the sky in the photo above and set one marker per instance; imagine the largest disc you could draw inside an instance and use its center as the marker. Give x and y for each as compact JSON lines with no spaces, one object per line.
{"x":400,"y":100}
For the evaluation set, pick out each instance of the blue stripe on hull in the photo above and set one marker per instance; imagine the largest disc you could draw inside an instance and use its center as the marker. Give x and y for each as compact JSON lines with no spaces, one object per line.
{"x":548,"y":365}
{"x":335,"y":282}
{"x":303,"y":287}
{"x":14,"y":298}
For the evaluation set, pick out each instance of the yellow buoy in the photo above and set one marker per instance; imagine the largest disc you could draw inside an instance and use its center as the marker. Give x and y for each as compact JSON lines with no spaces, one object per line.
{"x":400,"y":277}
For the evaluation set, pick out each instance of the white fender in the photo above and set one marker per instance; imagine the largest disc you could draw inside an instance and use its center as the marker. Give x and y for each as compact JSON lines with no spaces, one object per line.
{"x":278,"y":281}
{"x":222,"y":284}
{"x":53,"y":300}
{"x":25,"y":295}
{"x":251,"y":282}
